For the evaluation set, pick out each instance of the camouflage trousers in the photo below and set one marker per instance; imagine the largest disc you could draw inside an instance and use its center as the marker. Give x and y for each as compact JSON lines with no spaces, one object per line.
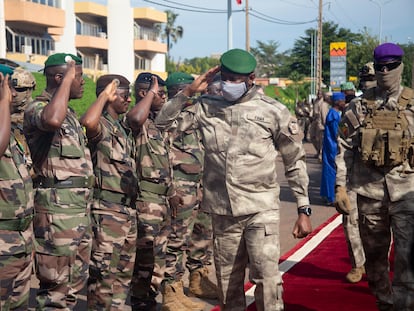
{"x":253,"y":241}
{"x":15,"y":271}
{"x":63,"y":246}
{"x":113,"y":255}
{"x":200,"y":246}
{"x":153,"y":230}
{"x":378,"y":221}
{"x":184,"y":230}
{"x":352,"y":236}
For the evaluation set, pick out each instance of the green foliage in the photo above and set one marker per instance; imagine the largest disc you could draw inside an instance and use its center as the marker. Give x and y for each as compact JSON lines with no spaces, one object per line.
{"x":79,"y":105}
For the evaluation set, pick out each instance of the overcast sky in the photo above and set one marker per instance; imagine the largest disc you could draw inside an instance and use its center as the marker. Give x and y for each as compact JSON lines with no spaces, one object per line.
{"x":282,"y":21}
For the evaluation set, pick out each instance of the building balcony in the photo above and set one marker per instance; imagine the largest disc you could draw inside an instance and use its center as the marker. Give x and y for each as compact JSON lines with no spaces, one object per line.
{"x":25,"y":14}
{"x":91,"y":42}
{"x":84,"y":9}
{"x":150,"y":15}
{"x":150,"y":46}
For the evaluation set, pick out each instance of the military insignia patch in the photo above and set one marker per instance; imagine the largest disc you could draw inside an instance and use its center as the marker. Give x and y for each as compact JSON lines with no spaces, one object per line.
{"x":293,"y":127}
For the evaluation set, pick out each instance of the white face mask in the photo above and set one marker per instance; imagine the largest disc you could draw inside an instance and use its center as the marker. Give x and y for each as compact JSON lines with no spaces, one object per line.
{"x":233,"y":91}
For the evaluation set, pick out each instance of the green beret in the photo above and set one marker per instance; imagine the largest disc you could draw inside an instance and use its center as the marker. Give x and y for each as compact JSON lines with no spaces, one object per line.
{"x":347,"y":86}
{"x":238,"y":61}
{"x":61,"y":59}
{"x":178,"y":78}
{"x":6,"y":70}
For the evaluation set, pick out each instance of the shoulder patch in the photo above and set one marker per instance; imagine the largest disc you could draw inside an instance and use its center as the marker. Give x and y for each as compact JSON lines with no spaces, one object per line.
{"x":293,"y":127}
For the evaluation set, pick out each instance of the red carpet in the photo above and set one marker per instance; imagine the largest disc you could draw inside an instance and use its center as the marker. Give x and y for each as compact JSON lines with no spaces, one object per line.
{"x":316,"y":282}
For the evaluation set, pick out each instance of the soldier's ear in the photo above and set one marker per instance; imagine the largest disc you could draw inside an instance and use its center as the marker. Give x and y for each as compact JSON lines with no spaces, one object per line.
{"x":58,"y":77}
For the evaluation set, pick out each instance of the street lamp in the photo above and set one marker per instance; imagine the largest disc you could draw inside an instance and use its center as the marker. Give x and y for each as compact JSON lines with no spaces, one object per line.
{"x":380,"y":4}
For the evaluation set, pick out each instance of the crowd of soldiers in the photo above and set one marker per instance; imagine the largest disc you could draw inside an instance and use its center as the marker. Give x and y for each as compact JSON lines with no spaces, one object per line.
{"x":116,"y":200}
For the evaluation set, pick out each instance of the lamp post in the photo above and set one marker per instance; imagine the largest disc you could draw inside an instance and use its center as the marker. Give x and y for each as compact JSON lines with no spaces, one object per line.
{"x":380,"y":5}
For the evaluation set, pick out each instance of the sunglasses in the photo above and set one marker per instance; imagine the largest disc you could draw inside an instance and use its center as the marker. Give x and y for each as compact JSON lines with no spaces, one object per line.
{"x":124,"y":95}
{"x":387,"y":67}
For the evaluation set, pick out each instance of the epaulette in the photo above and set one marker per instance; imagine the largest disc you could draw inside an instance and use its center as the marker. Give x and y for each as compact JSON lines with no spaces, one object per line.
{"x":268,"y":99}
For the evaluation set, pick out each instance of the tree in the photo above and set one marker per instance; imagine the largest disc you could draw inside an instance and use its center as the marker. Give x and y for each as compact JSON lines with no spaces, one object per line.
{"x":171,"y":32}
{"x":331,"y":32}
{"x":268,"y":59}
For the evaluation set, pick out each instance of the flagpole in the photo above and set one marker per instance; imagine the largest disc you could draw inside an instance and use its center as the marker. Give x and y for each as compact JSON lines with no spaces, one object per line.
{"x":229,"y":26}
{"x":247,"y":27}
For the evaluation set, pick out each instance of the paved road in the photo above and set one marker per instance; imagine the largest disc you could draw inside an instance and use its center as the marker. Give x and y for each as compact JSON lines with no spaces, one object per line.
{"x":288,"y":215}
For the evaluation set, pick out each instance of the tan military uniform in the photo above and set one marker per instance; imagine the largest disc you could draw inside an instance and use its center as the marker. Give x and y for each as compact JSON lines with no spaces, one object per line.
{"x":241,"y":191}
{"x":385,"y":205}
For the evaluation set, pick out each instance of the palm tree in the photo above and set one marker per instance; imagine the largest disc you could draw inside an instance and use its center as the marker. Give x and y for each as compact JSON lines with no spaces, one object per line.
{"x":171,"y":32}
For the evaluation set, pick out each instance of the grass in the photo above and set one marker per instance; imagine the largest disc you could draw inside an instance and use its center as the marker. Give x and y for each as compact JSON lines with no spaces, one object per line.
{"x":79,"y":105}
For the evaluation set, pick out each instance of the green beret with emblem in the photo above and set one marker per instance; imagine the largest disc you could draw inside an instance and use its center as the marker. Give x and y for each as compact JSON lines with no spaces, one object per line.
{"x":177,"y":78}
{"x":59,"y":59}
{"x":238,"y":61}
{"x":6,"y":70}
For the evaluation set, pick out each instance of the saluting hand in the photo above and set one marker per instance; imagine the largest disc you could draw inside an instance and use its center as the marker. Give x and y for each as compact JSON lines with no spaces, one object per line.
{"x":5,"y":92}
{"x":200,"y":84}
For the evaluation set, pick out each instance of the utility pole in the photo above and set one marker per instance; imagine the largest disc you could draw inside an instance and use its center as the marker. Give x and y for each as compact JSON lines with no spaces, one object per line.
{"x":319,"y":51}
{"x":247,"y":27}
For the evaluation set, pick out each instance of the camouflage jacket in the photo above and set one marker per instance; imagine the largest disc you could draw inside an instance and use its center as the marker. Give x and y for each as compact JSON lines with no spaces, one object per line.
{"x":16,"y":197}
{"x":113,"y":157}
{"x":152,"y":158}
{"x":187,"y":152}
{"x":17,"y":123}
{"x":60,"y":154}
{"x":365,"y":179}
{"x":241,"y":143}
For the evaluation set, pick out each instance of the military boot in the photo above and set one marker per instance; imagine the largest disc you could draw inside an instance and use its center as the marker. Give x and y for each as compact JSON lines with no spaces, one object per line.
{"x":355,"y":275}
{"x":185,"y":300}
{"x":173,"y":299}
{"x":201,"y":286}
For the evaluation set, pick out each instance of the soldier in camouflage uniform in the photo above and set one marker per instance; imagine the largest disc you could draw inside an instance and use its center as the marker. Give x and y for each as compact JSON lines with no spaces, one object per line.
{"x":187,"y":157}
{"x":16,"y":209}
{"x":304,"y":114}
{"x":113,"y":211}
{"x":63,"y":166}
{"x":155,"y":187}
{"x":243,"y":131}
{"x":24,"y":83}
{"x":380,"y":167}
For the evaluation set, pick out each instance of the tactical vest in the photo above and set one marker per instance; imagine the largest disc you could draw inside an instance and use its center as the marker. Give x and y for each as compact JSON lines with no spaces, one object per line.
{"x":385,"y":138}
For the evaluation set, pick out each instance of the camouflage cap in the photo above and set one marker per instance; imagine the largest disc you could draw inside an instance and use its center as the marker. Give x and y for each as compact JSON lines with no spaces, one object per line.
{"x":6,"y":70}
{"x":145,"y":78}
{"x":61,"y":59}
{"x":367,"y":70}
{"x":238,"y":61}
{"x":177,"y":78}
{"x":23,"y":78}
{"x":388,"y":52}
{"x":347,"y":86}
{"x":104,"y":80}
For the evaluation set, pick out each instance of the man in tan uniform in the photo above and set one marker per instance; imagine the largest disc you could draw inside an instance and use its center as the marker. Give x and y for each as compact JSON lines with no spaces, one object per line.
{"x":241,"y":130}
{"x":379,"y":166}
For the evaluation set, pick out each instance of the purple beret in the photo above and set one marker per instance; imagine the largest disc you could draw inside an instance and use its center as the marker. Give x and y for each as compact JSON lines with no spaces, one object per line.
{"x":338,"y":96}
{"x":387,"y":52}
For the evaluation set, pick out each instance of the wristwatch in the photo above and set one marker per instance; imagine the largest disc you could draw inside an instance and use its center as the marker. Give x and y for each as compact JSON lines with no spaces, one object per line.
{"x":305,"y":210}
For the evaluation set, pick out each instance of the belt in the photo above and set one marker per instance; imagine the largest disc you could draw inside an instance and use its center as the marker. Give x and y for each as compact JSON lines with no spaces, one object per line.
{"x":20,"y":224}
{"x":113,"y":197}
{"x":71,"y":182}
{"x":155,"y":188}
